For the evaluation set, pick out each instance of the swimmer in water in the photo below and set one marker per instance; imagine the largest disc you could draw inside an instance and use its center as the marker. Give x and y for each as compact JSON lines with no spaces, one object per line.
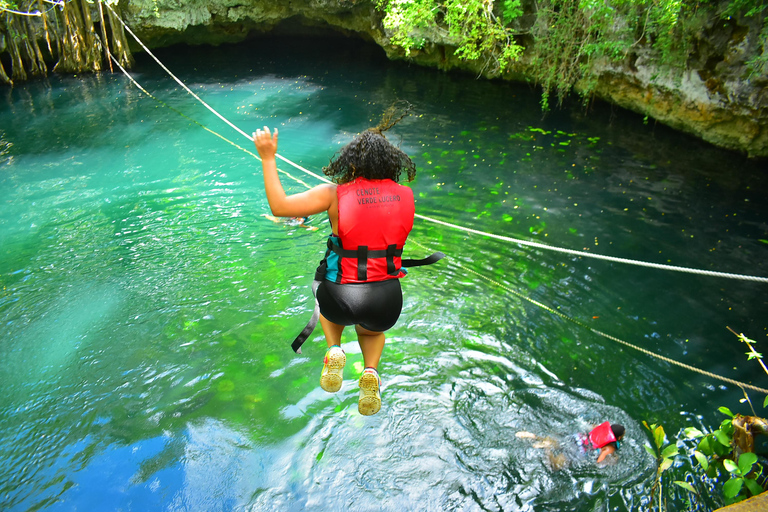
{"x":291,"y":221}
{"x":605,"y":438}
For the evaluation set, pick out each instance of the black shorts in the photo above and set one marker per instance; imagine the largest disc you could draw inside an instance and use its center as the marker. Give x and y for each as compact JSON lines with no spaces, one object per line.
{"x":375,"y":306}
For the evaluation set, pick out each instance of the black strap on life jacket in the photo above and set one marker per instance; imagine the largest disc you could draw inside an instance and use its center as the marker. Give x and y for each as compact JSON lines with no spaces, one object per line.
{"x":363,"y":254}
{"x":320,"y":275}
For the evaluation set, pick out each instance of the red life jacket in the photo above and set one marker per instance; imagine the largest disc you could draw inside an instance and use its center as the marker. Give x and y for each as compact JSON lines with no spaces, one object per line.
{"x":602,"y":435}
{"x":375,"y":218}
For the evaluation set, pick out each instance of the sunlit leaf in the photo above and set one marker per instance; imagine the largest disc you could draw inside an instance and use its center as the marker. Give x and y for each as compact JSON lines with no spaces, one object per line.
{"x":753,"y":486}
{"x":722,"y":437}
{"x":746,"y":460}
{"x":725,"y":411}
{"x":670,"y":451}
{"x":732,"y":487}
{"x":693,"y":433}
{"x":730,"y":466}
{"x":650,"y":450}
{"x":665,"y":465}
{"x":703,"y":461}
{"x":685,"y":485}
{"x":658,"y":436}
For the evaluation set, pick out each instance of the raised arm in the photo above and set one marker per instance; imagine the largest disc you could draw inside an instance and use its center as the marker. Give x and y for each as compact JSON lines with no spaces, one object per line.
{"x":316,"y":200}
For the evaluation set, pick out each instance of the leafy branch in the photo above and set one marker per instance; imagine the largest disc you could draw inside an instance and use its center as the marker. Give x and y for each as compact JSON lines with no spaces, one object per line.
{"x":665,"y":454}
{"x":714,"y":455}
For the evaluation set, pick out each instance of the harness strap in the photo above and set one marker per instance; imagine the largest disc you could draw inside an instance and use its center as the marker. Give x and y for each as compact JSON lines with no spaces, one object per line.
{"x":320,"y":274}
{"x":304,"y":334}
{"x":362,"y":263}
{"x":352,"y":253}
{"x":432,"y":258}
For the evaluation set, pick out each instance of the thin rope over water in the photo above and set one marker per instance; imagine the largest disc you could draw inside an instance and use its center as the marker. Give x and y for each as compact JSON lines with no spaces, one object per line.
{"x":613,"y":338}
{"x":597,"y":256}
{"x":584,"y":254}
{"x":743,"y":385}
{"x":604,"y":335}
{"x":161,"y":102}
{"x":206,"y":105}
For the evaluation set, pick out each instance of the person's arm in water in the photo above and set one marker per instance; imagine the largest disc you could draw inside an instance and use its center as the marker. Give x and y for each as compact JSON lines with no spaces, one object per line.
{"x":315,"y":200}
{"x":606,"y":451}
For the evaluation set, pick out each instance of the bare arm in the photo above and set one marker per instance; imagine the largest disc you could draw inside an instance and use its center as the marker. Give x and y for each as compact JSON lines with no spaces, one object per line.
{"x":604,"y":452}
{"x":315,"y":200}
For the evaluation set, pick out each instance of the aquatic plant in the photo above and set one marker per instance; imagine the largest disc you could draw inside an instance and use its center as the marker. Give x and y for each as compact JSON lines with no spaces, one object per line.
{"x":726,"y":455}
{"x":67,"y":32}
{"x":664,"y":453}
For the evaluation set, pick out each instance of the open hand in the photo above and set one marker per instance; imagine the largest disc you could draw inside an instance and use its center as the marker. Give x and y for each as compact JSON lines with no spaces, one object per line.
{"x":266,"y":143}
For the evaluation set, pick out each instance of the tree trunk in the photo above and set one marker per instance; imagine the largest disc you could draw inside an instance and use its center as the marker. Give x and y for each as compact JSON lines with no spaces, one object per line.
{"x":119,"y":42}
{"x":4,"y":78}
{"x":17,"y":62}
{"x":92,"y":47}
{"x":104,"y":39}
{"x":744,"y":430}
{"x":37,"y":65}
{"x":70,"y":49}
{"x":46,"y":27}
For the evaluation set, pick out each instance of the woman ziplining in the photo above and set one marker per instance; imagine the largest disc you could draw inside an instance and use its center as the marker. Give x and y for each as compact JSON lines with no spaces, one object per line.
{"x":357,"y":282}
{"x":305,"y":333}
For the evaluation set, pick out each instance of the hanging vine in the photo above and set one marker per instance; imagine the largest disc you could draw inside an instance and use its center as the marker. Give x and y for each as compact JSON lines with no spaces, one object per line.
{"x":63,"y":36}
{"x":562,"y":43}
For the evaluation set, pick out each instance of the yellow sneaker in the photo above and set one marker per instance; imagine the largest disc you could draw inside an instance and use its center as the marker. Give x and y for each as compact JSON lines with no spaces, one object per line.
{"x":333,"y":367}
{"x":369,"y":402}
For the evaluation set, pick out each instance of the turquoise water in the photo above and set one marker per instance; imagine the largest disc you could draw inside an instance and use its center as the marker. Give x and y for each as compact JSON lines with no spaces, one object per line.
{"x":147,"y":305}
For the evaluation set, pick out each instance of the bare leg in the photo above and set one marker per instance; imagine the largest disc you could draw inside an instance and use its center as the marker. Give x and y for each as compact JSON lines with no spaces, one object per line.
{"x":335,"y":359}
{"x":371,"y":345}
{"x":332,"y":331}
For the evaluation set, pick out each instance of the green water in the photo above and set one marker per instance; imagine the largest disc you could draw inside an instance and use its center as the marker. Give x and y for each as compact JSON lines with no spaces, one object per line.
{"x":147,"y":306}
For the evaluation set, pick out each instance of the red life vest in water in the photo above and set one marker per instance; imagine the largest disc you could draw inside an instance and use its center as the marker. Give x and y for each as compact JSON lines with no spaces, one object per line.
{"x":375,"y":218}
{"x":602,"y":435}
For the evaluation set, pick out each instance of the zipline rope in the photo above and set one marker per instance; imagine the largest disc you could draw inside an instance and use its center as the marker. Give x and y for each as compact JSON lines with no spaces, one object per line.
{"x":597,"y":256}
{"x":491,"y":235}
{"x":161,"y":102}
{"x":585,"y":254}
{"x":206,"y":105}
{"x":543,"y":306}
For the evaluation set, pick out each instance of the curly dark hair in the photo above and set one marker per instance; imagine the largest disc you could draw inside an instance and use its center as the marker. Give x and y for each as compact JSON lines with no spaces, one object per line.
{"x":372,"y":156}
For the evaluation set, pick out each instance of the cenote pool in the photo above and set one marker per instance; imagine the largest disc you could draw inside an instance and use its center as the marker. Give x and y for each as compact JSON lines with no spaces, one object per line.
{"x":148,"y":306}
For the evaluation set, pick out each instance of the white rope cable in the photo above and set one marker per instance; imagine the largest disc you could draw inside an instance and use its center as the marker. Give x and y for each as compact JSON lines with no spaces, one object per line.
{"x":142,"y":89}
{"x":584,"y":254}
{"x":523,"y":242}
{"x":596,"y":256}
{"x":206,"y":105}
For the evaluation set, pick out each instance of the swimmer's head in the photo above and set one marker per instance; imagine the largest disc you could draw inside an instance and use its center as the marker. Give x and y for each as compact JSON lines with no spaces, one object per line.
{"x":370,"y":155}
{"x":618,"y":430}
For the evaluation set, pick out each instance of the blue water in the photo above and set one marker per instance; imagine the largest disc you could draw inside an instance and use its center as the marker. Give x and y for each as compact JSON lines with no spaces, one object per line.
{"x":147,"y":304}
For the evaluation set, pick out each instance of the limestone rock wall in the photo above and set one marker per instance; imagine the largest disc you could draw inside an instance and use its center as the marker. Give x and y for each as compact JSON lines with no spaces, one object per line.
{"x":715,"y":99}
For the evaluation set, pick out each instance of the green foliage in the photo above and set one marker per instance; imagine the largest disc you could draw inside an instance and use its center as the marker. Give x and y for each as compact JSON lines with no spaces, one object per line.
{"x":6,"y":5}
{"x":713,"y":454}
{"x":476,"y":27}
{"x":572,"y":39}
{"x":665,"y":454}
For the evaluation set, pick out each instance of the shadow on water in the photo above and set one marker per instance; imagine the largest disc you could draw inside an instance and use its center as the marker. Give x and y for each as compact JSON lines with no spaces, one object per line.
{"x":147,"y":305}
